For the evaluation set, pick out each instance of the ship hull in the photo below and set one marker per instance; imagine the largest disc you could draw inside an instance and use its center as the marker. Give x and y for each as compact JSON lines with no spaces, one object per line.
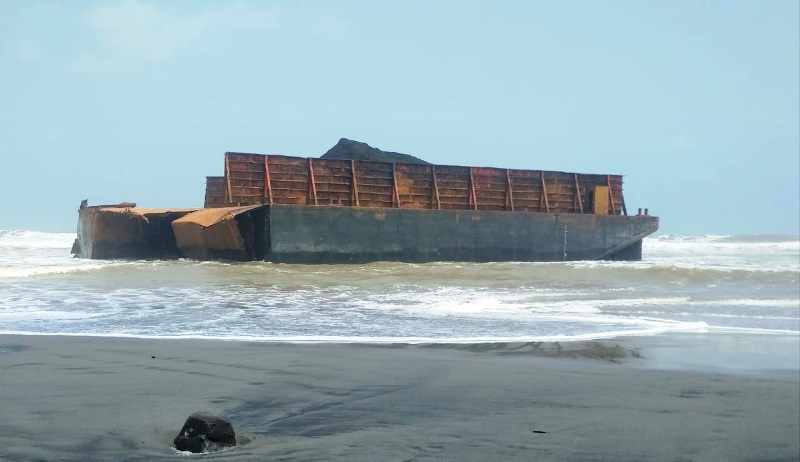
{"x":331,"y":234}
{"x":299,"y":234}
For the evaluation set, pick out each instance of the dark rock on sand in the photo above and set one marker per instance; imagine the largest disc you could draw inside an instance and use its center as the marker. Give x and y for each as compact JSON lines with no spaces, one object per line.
{"x":356,"y":150}
{"x":205,"y":432}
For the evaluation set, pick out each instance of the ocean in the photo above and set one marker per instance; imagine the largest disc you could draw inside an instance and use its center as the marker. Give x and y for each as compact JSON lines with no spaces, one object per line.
{"x":684,"y":284}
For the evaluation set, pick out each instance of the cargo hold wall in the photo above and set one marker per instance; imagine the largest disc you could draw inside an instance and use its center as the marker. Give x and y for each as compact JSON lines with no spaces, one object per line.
{"x":252,"y":179}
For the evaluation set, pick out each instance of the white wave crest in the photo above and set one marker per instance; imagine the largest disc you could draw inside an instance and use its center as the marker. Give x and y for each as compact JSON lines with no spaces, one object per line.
{"x":41,"y":315}
{"x":698,"y":327}
{"x":36,"y":239}
{"x":27,"y":272}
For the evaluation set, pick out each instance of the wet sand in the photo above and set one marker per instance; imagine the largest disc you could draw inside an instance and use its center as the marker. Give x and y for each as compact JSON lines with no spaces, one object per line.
{"x":84,"y":398}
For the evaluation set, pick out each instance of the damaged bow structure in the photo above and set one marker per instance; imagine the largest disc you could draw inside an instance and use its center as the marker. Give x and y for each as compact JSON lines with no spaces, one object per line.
{"x":359,"y":204}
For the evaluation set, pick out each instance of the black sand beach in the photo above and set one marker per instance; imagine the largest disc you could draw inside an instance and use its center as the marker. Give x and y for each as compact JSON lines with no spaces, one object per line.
{"x":91,"y":398}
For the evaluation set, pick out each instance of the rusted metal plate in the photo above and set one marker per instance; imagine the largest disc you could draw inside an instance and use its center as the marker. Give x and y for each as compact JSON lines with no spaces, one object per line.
{"x":601,"y":200}
{"x":215,"y":191}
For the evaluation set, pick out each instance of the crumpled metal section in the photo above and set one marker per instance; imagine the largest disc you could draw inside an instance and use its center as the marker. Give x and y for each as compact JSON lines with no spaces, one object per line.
{"x":218,"y":233}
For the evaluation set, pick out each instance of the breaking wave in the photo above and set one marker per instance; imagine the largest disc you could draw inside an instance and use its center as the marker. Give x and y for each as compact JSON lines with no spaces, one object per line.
{"x":693,"y":284}
{"x":35,"y":239}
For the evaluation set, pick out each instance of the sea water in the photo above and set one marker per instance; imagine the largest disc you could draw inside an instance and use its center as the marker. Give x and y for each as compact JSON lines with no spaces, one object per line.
{"x":684,"y":284}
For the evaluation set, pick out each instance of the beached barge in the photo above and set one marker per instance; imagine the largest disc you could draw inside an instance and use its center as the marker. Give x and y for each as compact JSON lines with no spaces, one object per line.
{"x":310,"y":210}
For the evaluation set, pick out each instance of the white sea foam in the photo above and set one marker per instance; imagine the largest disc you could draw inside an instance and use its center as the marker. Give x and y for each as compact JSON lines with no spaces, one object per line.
{"x":685,"y":284}
{"x":788,"y":303}
{"x":27,"y":254}
{"x":753,"y":330}
{"x":312,"y":339}
{"x":697,"y":242}
{"x":27,"y":272}
{"x":724,"y":252}
{"x":35,"y":239}
{"x":712,"y":315}
{"x":51,"y":315}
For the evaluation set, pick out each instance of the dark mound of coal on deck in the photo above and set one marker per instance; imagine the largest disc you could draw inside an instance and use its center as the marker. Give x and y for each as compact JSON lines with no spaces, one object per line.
{"x":356,"y":150}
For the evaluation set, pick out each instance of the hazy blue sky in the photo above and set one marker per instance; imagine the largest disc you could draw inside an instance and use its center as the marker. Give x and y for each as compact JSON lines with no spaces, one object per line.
{"x":696,"y":102}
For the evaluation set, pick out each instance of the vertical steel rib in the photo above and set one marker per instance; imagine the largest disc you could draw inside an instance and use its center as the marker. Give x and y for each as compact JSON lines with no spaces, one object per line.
{"x":472,"y":197}
{"x":355,"y":183}
{"x":509,"y":190}
{"x":544,"y":196}
{"x":395,"y":192}
{"x":578,"y":193}
{"x":611,"y":196}
{"x":228,"y":192}
{"x":311,"y":182}
{"x":436,"y":187}
{"x":267,"y":180}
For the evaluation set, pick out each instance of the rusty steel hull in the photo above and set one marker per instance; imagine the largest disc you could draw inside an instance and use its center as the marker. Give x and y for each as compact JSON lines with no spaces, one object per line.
{"x":297,"y":234}
{"x":114,"y":232}
{"x":329,"y":234}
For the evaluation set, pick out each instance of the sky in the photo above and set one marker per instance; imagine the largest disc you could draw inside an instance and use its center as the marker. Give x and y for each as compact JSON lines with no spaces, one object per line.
{"x":696,"y":103}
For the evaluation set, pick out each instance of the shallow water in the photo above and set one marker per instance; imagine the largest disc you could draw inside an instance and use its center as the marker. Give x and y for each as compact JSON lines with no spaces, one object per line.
{"x":692,"y":284}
